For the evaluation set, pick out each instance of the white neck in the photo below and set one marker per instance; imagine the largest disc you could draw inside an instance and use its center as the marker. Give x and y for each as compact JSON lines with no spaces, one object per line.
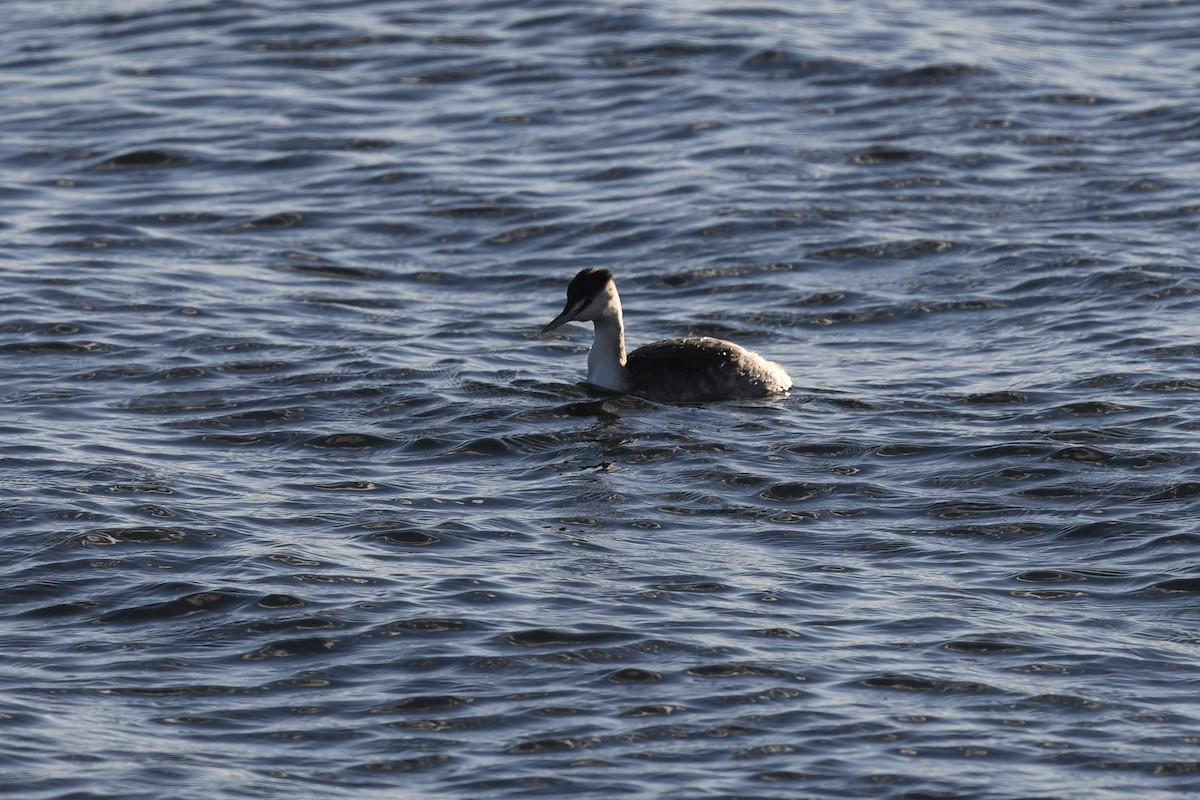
{"x":606,"y":360}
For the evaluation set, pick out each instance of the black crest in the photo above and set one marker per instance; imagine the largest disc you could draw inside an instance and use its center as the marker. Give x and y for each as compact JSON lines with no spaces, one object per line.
{"x":587,"y":284}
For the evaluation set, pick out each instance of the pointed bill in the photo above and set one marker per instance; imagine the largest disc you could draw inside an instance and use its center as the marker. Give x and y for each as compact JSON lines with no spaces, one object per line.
{"x":569,"y":313}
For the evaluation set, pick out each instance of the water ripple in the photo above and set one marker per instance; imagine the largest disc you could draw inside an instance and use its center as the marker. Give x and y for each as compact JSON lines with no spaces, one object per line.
{"x":288,"y":468}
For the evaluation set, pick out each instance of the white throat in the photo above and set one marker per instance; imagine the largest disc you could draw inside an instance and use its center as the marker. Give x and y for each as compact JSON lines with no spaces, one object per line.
{"x":606,"y":360}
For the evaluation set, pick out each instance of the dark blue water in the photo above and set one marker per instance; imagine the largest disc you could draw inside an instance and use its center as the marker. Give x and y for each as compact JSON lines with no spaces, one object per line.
{"x":296,"y":501}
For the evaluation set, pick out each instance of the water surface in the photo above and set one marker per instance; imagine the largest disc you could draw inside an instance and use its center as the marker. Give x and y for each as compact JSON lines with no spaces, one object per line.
{"x":296,"y":500}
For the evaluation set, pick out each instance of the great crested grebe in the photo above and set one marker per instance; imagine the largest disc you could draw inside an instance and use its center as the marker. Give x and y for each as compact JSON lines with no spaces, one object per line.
{"x":675,"y":370}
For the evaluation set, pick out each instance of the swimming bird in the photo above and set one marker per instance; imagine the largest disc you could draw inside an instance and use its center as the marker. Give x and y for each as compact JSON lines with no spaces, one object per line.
{"x":684,"y":370}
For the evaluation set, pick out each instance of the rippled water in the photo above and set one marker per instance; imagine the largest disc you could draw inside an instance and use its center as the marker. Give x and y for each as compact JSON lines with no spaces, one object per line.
{"x":296,"y":500}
